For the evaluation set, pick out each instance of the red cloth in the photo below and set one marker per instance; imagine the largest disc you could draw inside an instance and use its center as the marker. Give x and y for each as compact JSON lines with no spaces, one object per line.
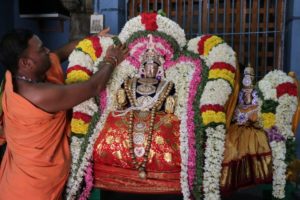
{"x":113,"y":165}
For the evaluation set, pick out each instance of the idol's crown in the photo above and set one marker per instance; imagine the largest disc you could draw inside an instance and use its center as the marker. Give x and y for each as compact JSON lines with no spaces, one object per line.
{"x":151,"y":55}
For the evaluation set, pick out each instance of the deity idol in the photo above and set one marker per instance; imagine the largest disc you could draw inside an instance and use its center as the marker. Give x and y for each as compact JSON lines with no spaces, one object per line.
{"x":159,"y":127}
{"x":138,"y":148}
{"x":247,"y":156}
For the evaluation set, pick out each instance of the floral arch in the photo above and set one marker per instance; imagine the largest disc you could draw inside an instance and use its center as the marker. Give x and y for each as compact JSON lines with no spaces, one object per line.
{"x":203,"y":70}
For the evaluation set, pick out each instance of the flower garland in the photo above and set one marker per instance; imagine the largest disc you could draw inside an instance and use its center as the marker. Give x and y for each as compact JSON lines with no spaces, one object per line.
{"x":186,"y":81}
{"x":221,"y":60}
{"x":82,"y":64}
{"x":81,"y":67}
{"x":153,"y":22}
{"x":277,"y":105}
{"x":185,"y":72}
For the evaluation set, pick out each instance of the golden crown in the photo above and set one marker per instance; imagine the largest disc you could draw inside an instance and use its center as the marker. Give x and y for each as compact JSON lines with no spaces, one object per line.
{"x":249,"y":70}
{"x":151,"y":56}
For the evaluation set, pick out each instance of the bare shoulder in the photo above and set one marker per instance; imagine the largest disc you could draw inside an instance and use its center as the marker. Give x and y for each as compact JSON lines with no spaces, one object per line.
{"x":39,"y":93}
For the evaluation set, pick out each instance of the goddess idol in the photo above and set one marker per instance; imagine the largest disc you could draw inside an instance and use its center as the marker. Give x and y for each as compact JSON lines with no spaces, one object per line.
{"x":247,"y":156}
{"x":159,"y":127}
{"x":146,"y":133}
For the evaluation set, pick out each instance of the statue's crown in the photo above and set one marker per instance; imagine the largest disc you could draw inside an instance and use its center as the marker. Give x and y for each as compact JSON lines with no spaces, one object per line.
{"x":151,"y":55}
{"x":249,"y":70}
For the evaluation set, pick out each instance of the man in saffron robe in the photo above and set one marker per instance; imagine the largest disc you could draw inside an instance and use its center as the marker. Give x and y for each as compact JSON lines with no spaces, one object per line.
{"x":36,"y":162}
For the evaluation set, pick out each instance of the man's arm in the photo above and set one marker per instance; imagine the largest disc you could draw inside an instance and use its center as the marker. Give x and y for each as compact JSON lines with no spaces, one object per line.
{"x":53,"y":98}
{"x":64,"y":51}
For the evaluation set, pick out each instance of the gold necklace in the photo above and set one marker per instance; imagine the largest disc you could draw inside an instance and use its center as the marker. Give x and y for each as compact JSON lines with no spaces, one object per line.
{"x":145,"y":90}
{"x":141,"y":166}
{"x":151,"y":81}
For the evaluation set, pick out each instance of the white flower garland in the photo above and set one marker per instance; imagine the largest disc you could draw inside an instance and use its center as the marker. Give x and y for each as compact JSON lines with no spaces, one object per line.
{"x":181,"y":75}
{"x":284,"y":115}
{"x":215,"y":92}
{"x":82,"y":59}
{"x":164,"y":24}
{"x":279,"y":168}
{"x":213,"y":162}
{"x":171,"y":28}
{"x":221,"y":53}
{"x":88,"y":107}
{"x":212,"y":92}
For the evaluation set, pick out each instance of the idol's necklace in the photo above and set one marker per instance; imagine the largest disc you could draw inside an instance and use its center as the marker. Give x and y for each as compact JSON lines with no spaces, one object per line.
{"x":141,"y":166}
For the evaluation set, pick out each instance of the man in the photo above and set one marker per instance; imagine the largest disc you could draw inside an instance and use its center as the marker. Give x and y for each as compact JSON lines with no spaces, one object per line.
{"x":36,"y":162}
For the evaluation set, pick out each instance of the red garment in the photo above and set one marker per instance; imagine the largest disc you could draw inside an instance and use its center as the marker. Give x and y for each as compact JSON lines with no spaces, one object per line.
{"x":37,"y":159}
{"x":113,"y":166}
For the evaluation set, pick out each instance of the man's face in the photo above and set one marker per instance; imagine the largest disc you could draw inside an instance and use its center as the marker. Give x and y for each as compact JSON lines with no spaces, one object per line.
{"x":38,"y":54}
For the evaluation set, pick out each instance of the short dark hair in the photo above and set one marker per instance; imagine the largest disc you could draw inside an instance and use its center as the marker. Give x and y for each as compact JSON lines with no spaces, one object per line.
{"x":12,"y":45}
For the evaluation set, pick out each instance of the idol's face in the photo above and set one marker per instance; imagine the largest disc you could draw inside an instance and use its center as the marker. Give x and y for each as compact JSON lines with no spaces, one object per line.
{"x":151,"y":69}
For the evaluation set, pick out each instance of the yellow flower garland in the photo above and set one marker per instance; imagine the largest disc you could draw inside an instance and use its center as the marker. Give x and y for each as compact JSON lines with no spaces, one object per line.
{"x":210,"y":43}
{"x":78,"y":126}
{"x":212,"y":116}
{"x":222,"y":73}
{"x":76,"y":76}
{"x":86,"y":46}
{"x":268,"y":120}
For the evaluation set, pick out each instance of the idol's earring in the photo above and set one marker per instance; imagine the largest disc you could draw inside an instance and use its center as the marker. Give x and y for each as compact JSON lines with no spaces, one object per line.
{"x":142,"y":72}
{"x":160,"y":73}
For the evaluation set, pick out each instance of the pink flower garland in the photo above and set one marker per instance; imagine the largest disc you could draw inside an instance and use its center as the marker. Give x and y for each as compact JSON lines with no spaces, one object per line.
{"x":133,"y":61}
{"x":88,"y":181}
{"x":139,"y":51}
{"x":166,"y":51}
{"x":190,"y":112}
{"x":190,"y":120}
{"x":103,"y":100}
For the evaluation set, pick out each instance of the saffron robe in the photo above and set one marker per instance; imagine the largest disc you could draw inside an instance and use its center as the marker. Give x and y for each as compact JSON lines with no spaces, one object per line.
{"x":37,"y":159}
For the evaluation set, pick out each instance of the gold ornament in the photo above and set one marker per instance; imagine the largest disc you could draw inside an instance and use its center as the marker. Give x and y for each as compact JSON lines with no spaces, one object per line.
{"x":129,"y":91}
{"x":170,"y":105}
{"x":121,"y":98}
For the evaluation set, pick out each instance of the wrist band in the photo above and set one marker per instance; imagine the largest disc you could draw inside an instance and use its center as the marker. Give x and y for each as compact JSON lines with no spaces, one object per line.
{"x":108,"y":62}
{"x":105,"y":62}
{"x":113,"y":58}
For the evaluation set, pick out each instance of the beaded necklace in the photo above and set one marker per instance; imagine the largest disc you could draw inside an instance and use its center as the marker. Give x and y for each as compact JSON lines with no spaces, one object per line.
{"x":24,"y":78}
{"x":141,"y":166}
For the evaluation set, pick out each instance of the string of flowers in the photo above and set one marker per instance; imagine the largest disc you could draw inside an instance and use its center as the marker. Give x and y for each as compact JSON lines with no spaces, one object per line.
{"x":185,"y":74}
{"x":277,"y":105}
{"x":82,"y":64}
{"x":221,"y":60}
{"x":89,"y":182}
{"x":155,"y":24}
{"x":199,"y":137}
